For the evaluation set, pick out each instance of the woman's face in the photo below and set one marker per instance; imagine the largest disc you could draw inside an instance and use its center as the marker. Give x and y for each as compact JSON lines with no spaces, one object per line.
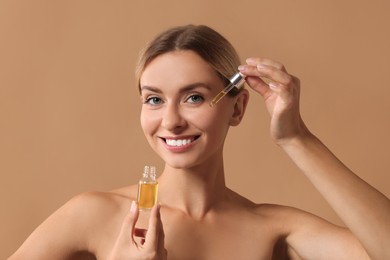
{"x":177,"y":120}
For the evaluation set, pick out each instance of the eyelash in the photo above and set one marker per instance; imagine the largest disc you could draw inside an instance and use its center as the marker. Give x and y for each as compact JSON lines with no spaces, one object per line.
{"x":148,"y":100}
{"x":197,"y":96}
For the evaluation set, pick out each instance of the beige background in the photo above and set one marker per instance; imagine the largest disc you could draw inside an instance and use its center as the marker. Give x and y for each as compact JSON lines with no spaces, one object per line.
{"x":69,"y":107}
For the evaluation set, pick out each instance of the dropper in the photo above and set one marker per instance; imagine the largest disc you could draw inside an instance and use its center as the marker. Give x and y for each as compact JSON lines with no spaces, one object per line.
{"x":236,"y":81}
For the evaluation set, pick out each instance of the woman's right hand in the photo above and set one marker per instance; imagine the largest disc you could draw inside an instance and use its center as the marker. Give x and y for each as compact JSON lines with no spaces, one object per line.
{"x":281,"y":97}
{"x":151,"y":247}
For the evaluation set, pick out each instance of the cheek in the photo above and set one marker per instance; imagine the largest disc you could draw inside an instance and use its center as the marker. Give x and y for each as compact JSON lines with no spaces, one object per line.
{"x":210,"y":119}
{"x":149,"y":121}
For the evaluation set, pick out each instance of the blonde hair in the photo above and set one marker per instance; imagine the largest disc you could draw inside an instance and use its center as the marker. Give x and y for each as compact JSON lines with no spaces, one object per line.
{"x":201,"y":39}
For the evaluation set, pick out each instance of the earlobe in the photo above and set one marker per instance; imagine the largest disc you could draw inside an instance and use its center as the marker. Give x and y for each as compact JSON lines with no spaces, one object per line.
{"x":241,"y":101}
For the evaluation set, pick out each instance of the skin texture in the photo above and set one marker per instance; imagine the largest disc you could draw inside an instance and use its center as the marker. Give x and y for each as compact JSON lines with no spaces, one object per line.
{"x":198,"y":216}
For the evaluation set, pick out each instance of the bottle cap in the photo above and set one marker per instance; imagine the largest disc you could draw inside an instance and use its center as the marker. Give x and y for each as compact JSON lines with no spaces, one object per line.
{"x":237,"y":80}
{"x":153,"y":171}
{"x":146,"y":171}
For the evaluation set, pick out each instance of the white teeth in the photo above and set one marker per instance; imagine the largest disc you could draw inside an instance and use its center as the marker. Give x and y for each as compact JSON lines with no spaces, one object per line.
{"x":177,"y":142}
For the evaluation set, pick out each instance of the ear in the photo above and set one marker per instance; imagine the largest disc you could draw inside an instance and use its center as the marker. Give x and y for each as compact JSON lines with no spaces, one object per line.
{"x":241,"y":100}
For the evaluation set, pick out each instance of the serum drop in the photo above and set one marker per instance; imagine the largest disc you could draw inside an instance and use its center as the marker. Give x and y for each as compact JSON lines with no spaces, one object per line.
{"x":147,"y":188}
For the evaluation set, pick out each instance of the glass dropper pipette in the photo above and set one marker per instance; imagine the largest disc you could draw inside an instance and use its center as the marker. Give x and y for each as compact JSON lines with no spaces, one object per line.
{"x":236,"y":81}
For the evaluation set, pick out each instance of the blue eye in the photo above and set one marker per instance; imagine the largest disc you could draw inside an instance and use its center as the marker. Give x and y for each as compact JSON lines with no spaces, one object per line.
{"x":153,"y":101}
{"x":195,"y":99}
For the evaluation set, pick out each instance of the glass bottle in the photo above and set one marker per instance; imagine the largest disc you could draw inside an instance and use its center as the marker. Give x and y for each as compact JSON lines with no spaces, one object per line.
{"x":147,"y":189}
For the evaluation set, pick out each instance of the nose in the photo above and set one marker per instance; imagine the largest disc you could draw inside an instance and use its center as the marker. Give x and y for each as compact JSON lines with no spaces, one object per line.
{"x":172,"y":119}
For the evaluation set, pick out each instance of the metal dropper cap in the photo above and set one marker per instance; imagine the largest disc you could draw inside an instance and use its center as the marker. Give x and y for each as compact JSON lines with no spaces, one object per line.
{"x":237,"y":80}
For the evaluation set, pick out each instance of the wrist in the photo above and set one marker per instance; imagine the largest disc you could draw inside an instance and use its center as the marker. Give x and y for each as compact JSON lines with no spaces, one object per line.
{"x":299,"y":137}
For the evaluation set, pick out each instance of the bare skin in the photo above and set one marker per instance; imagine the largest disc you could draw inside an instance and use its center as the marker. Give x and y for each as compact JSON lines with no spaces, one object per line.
{"x":235,"y":228}
{"x":198,"y":216}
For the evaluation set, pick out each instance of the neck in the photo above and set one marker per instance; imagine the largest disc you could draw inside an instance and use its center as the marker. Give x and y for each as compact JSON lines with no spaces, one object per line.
{"x":194,"y":191}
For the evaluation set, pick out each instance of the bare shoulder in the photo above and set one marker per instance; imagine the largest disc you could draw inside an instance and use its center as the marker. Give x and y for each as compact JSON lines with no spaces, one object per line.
{"x":81,"y":225}
{"x":102,"y":205}
{"x":288,"y":216}
{"x":94,"y":204}
{"x":310,"y":236}
{"x":100,"y":200}
{"x":291,"y":221}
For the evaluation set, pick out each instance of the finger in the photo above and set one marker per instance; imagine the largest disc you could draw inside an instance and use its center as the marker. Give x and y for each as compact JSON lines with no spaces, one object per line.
{"x":274,"y":74}
{"x":258,"y":78}
{"x":286,"y":92}
{"x":267,"y":62}
{"x":161,"y":238}
{"x":154,"y":228}
{"x":267,"y":72}
{"x":258,"y":85}
{"x":128,"y":225}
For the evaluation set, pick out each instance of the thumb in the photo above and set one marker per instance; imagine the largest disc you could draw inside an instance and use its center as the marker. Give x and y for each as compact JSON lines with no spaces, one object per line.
{"x":154,"y":228}
{"x":126,"y":234}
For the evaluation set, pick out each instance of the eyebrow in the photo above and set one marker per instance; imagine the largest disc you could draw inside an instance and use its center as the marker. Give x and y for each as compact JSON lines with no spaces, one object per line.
{"x":182,"y":90}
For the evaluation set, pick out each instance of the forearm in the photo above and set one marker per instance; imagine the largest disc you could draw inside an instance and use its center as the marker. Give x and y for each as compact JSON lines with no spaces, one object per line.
{"x":364,"y":210}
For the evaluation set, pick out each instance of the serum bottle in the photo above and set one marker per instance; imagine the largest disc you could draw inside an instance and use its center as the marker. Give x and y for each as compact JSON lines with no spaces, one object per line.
{"x":147,"y":189}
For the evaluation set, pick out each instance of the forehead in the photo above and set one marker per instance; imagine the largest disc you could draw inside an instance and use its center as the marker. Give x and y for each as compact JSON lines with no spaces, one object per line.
{"x":179,"y":67}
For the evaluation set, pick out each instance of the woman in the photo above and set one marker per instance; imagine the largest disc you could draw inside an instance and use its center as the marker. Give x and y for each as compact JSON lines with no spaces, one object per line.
{"x":198,"y":217}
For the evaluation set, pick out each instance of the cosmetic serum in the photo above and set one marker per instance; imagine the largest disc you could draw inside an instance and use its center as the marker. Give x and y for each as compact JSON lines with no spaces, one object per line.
{"x":147,"y":189}
{"x":236,"y":81}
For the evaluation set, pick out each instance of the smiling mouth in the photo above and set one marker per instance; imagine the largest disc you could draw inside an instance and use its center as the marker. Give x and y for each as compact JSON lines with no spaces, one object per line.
{"x":180,"y":142}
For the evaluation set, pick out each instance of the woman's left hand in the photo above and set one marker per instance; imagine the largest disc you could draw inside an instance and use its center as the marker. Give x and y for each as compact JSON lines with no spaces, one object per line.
{"x":152,"y":243}
{"x":281,"y":96}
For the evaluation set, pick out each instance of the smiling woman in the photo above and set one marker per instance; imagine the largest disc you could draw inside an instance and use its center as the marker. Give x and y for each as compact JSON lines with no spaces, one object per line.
{"x":198,"y":216}
{"x":177,"y":109}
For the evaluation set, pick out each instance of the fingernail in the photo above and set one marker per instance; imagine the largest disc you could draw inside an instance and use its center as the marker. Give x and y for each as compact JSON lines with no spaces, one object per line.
{"x":133,"y":207}
{"x":241,"y":67}
{"x":261,"y":66}
{"x":273,"y":85}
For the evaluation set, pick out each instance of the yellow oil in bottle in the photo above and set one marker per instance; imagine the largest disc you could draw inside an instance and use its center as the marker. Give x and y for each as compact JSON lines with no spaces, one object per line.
{"x":236,"y":81}
{"x":218,"y":98}
{"x":147,"y":189}
{"x":147,"y":195}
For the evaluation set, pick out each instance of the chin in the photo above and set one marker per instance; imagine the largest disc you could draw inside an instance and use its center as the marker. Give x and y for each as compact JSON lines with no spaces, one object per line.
{"x":181,"y":162}
{"x":186,"y":160}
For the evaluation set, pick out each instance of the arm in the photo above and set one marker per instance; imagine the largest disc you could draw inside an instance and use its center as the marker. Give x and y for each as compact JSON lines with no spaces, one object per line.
{"x":61,"y":236}
{"x":307,"y":236}
{"x":363,"y":209}
{"x":89,"y":224}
